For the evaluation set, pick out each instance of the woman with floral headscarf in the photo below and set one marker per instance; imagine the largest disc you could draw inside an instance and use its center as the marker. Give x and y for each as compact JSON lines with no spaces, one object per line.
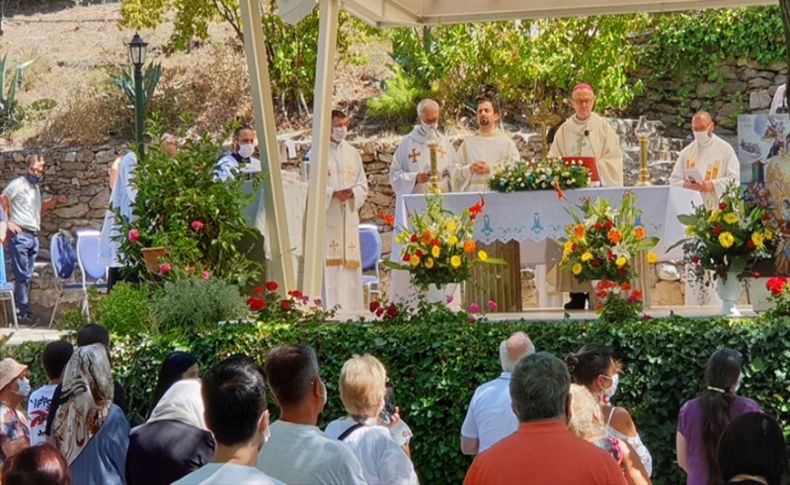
{"x":89,"y":430}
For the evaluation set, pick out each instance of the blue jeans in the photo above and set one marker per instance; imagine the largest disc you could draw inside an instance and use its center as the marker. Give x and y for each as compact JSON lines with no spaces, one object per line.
{"x":24,"y":249}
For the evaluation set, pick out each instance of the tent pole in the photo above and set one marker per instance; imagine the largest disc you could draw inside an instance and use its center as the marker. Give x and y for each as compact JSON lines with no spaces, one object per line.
{"x":281,"y":265}
{"x":315,"y":220}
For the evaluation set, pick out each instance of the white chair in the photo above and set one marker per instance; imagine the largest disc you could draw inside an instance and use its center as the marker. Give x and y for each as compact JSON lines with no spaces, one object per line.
{"x":7,"y":289}
{"x":371,"y":248}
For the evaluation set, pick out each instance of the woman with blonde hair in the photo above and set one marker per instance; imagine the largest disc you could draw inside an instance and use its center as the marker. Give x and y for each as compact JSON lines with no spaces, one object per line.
{"x":363,"y":382}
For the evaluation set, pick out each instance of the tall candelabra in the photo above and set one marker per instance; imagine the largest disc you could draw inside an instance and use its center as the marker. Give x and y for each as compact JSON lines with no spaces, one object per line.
{"x":433,"y":145}
{"x":643,"y":132}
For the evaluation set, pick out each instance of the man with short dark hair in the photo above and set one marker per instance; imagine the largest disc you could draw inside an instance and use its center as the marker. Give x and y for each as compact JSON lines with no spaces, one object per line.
{"x":234,"y":396}
{"x":298,"y":452}
{"x":240,"y":158}
{"x":55,"y":357}
{"x":543,"y":450}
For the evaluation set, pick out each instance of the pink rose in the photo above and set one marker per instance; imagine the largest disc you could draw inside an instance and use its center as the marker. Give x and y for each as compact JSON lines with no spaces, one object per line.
{"x":205,"y":275}
{"x":492,"y":306}
{"x":164,"y":268}
{"x":134,"y":235}
{"x":190,"y":270}
{"x":474,"y":308}
{"x":197,"y":225}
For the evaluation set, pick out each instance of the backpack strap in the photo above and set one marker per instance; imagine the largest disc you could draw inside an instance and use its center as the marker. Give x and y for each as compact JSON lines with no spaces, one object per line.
{"x":350,"y":430}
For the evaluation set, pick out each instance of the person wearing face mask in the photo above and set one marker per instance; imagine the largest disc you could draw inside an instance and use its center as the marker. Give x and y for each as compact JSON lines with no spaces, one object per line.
{"x":410,"y":173}
{"x":543,"y":449}
{"x":702,"y":421}
{"x":234,"y":396}
{"x":594,"y":368}
{"x":14,"y":425}
{"x":710,"y":156}
{"x":240,"y":159}
{"x":480,"y":154}
{"x":298,"y":451}
{"x":21,"y":202}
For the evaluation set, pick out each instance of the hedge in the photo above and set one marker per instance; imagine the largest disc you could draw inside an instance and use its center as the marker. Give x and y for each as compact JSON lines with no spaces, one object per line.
{"x":436,"y":369}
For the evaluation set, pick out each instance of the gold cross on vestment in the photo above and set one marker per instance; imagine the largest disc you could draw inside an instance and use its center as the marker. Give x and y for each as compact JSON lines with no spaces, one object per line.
{"x":334,"y":246}
{"x":415,"y":154}
{"x":441,"y":151}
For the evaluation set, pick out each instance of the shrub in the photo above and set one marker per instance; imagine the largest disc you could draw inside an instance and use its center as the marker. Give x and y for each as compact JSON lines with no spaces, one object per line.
{"x":126,"y":309}
{"x":436,"y":368}
{"x":193,"y":304}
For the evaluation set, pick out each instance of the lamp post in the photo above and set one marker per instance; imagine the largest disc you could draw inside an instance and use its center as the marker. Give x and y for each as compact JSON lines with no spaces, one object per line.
{"x":137,"y":55}
{"x":643,"y":132}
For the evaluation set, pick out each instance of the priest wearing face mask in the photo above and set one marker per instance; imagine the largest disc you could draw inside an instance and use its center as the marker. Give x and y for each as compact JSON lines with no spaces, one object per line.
{"x":21,"y":202}
{"x":707,"y":156}
{"x":410,"y":173}
{"x":240,"y":159}
{"x":347,"y":189}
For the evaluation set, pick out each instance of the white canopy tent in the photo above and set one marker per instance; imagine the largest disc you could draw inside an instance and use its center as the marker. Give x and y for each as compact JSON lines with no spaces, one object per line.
{"x":381,"y":13}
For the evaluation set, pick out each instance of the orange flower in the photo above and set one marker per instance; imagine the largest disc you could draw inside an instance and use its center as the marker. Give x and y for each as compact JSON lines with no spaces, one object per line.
{"x":636,"y":294}
{"x":615,"y":236}
{"x":639,"y":233}
{"x":626,"y":286}
{"x":578,"y":231}
{"x":427,"y":237}
{"x":469,"y":246}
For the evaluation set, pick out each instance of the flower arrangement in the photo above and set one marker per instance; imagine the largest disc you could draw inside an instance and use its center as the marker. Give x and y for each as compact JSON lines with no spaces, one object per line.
{"x":539,"y":175}
{"x":617,"y":302}
{"x":603,"y":243}
{"x":728,"y":239}
{"x":439,"y":248}
{"x":780,"y":295}
{"x":267,"y":305}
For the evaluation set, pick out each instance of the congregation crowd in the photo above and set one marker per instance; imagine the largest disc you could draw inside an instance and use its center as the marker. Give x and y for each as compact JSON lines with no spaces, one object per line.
{"x":543,"y":420}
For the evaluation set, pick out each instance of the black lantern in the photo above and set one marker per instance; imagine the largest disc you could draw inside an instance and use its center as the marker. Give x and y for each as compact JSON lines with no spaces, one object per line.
{"x":137,"y":51}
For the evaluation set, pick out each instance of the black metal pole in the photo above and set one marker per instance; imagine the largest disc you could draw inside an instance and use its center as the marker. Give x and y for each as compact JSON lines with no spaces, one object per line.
{"x":139,"y":109}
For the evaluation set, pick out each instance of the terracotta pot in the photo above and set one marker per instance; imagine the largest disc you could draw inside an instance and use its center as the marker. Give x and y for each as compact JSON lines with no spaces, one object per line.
{"x":153,"y":257}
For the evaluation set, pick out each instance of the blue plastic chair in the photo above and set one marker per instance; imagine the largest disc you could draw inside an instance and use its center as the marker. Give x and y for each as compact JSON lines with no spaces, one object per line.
{"x":6,"y":288}
{"x":370,"y":248}
{"x":64,"y":261}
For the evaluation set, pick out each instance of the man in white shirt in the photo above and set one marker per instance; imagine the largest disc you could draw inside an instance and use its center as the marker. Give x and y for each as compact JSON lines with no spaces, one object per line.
{"x":298,"y":452}
{"x":55,"y":357}
{"x":234,"y":396}
{"x":710,"y":156}
{"x":240,"y":158}
{"x":490,"y":416}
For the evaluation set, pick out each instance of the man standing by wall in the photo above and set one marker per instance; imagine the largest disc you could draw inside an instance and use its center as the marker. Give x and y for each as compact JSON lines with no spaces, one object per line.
{"x":21,"y":201}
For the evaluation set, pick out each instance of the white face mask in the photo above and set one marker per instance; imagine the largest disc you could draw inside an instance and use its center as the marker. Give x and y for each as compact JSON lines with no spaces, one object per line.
{"x":702,"y":137}
{"x":611,"y":390}
{"x":24,"y":388}
{"x":339,"y":133}
{"x":245,"y":151}
{"x":428,"y":127}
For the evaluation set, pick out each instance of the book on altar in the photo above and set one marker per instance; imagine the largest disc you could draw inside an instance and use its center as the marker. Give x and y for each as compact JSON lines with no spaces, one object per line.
{"x":588,"y":162}
{"x":693,"y":172}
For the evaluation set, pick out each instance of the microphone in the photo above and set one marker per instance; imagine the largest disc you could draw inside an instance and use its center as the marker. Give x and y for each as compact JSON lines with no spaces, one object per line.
{"x":587,"y":133}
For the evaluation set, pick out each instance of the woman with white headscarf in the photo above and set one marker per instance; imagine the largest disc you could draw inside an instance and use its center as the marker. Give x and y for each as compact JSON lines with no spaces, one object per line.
{"x":89,"y":430}
{"x":174,"y":442}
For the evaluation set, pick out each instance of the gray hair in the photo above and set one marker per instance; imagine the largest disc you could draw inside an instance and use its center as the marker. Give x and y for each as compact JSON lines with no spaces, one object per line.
{"x":168,"y":138}
{"x":702,"y":114}
{"x":512,"y":349}
{"x":539,"y":387}
{"x":425,"y":104}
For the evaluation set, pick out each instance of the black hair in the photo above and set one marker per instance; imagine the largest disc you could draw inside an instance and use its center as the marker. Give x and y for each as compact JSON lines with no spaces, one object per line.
{"x":485,"y":98}
{"x":336,"y":113}
{"x":55,"y":357}
{"x":234,"y":396}
{"x":173,"y":367}
{"x":721,"y":373}
{"x":588,"y":363}
{"x":241,"y":128}
{"x":290,"y":371}
{"x":93,"y":333}
{"x":753,"y":444}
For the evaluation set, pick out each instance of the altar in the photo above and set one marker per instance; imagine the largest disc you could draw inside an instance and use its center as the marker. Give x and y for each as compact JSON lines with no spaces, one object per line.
{"x":535,"y":219}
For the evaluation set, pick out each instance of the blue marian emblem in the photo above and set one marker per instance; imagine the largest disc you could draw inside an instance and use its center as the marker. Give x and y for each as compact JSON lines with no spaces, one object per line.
{"x":638,"y":220}
{"x":537,"y":226}
{"x":487,"y":230}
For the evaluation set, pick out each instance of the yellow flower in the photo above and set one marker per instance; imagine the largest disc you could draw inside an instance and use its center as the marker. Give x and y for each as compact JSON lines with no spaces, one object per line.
{"x":577,"y":268}
{"x":621,"y":261}
{"x":586,"y":256}
{"x":455,"y":261}
{"x":757,"y":239}
{"x":689,"y":230}
{"x":568,"y":246}
{"x":730,"y":218}
{"x":451,"y":225}
{"x":651,"y":257}
{"x":415,"y":260}
{"x":482,"y":255}
{"x":769,"y":234}
{"x":726,"y":240}
{"x":715,"y":217}
{"x":452,"y":240}
{"x":435,"y":251}
{"x":429,"y":263}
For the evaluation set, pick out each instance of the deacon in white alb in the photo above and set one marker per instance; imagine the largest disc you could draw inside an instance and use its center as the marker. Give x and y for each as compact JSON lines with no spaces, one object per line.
{"x":710,"y":156}
{"x":586,"y":134}
{"x":347,"y":189}
{"x":480,"y":154}
{"x":410,"y":173}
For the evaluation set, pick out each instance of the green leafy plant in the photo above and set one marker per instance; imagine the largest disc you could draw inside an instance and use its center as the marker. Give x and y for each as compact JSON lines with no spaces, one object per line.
{"x":126,"y":309}
{"x":11,"y":113}
{"x":124,"y":79}
{"x":401,"y":94}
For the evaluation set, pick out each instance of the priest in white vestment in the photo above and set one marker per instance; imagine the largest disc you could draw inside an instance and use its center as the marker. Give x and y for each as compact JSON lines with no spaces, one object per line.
{"x":347,"y":189}
{"x":481,"y":153}
{"x":709,"y":155}
{"x":410,"y":173}
{"x":586,"y":134}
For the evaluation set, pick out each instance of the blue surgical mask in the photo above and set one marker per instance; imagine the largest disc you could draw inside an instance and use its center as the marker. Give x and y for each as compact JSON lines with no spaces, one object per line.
{"x":24,"y":388}
{"x":33,"y":179}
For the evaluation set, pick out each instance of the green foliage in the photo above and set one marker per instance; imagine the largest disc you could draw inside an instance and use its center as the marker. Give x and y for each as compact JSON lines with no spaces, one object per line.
{"x":173,"y":193}
{"x":401,"y":94}
{"x":124,"y":79}
{"x":191,"y":305}
{"x":126,"y":309}
{"x":11,"y":113}
{"x":437,"y":367}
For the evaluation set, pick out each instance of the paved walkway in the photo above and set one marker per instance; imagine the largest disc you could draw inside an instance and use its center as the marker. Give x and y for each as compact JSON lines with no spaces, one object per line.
{"x":30,"y":334}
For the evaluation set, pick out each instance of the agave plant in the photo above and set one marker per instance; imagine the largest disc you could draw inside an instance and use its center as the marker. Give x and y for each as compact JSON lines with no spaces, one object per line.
{"x":125,"y":81}
{"x":10,"y":114}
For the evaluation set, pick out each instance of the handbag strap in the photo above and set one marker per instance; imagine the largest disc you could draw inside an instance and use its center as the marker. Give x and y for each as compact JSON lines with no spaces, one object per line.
{"x":349,"y":431}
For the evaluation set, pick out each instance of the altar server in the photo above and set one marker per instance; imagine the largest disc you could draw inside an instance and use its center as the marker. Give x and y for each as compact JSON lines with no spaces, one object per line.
{"x":586,"y":134}
{"x":709,"y":155}
{"x":481,"y":153}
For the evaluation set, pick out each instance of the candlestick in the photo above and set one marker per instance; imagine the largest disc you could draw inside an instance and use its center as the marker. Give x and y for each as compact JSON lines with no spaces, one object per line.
{"x":643,"y":133}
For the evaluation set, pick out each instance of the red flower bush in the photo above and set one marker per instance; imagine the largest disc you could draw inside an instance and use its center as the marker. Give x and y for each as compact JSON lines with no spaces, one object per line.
{"x":256,"y":304}
{"x":776,"y":285}
{"x":272,"y":285}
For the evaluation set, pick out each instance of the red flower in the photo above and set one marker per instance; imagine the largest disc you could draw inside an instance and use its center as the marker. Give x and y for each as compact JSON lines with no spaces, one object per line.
{"x":723,"y":206}
{"x":205,"y":275}
{"x":646,"y":317}
{"x":695,"y":259}
{"x":190,"y":270}
{"x":164,"y":268}
{"x":256,"y":304}
{"x":574,"y":246}
{"x":392,"y":310}
{"x":285,"y":305}
{"x":766,"y":216}
{"x":776,"y":284}
{"x":388,"y":218}
{"x":295,"y":294}
{"x":609,"y":255}
{"x":716,"y":230}
{"x":414,"y":238}
{"x":134,"y":235}
{"x":608,"y":224}
{"x":380,"y":312}
{"x":750,"y":244}
{"x":595,"y":262}
{"x":258,"y":291}
{"x":435,"y":242}
{"x":418,"y":253}
{"x":755,"y":274}
{"x":477,"y":208}
{"x":626,"y":286}
{"x":374,"y":305}
{"x":271,"y":285}
{"x":197,"y":225}
{"x":407,"y":257}
{"x":598,"y":226}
